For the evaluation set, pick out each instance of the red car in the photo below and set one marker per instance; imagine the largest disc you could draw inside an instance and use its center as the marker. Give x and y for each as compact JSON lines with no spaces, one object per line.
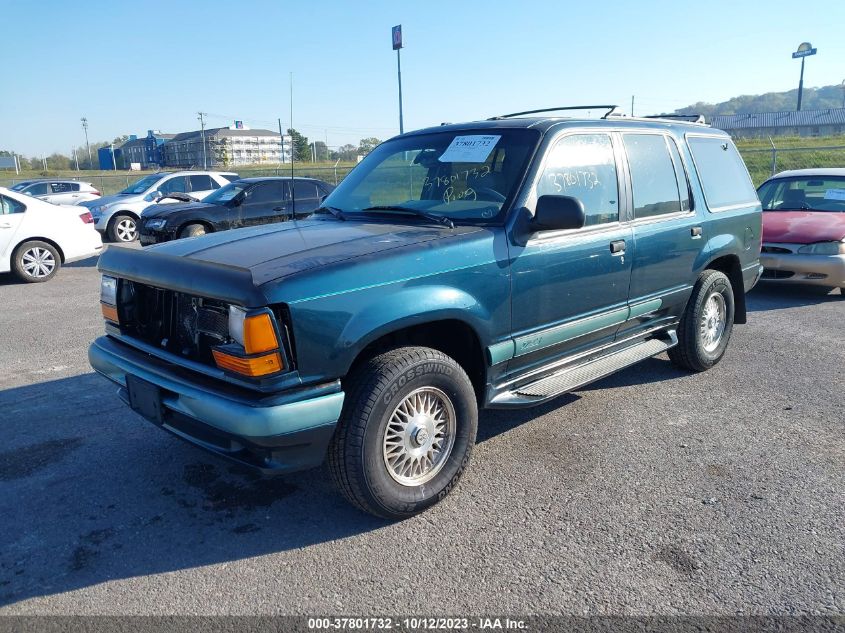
{"x":804,"y":227}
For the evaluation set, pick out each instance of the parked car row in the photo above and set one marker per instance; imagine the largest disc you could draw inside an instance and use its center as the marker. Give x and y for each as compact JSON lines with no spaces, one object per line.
{"x":57,"y":191}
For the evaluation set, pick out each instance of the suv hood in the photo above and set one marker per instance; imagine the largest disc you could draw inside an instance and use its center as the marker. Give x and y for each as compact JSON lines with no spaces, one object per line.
{"x":803,"y":227}
{"x":234,"y":264}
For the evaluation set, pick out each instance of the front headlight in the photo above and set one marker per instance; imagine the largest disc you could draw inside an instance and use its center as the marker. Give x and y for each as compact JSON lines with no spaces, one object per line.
{"x":823,"y":248}
{"x":108,"y":298}
{"x":258,"y":352}
{"x":156,"y":224}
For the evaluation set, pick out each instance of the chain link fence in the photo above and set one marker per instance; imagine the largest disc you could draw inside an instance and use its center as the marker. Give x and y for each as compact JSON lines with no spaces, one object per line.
{"x":108,"y":184}
{"x":765,"y":162}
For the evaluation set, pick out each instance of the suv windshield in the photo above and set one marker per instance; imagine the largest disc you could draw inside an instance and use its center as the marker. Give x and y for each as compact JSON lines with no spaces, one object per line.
{"x":142,"y":185}
{"x":465,"y":176}
{"x":225,"y":193}
{"x":810,"y":193}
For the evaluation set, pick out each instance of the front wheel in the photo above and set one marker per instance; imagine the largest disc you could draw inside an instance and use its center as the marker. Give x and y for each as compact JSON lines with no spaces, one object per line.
{"x":123,"y":228}
{"x":406,"y":432}
{"x":706,"y":325}
{"x":192,"y":230}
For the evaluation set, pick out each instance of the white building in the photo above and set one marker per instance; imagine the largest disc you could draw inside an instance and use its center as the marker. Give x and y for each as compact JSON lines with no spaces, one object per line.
{"x":226,"y":147}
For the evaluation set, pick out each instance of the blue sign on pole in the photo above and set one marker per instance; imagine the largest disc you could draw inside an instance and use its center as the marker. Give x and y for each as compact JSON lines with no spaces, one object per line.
{"x":397,"y":37}
{"x":805,"y":53}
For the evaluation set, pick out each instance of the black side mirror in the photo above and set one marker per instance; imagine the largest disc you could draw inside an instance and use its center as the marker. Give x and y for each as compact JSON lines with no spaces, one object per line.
{"x":556,"y":213}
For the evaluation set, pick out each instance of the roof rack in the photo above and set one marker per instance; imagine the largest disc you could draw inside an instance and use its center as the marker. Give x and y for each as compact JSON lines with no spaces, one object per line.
{"x":611,"y":108}
{"x":692,"y":118}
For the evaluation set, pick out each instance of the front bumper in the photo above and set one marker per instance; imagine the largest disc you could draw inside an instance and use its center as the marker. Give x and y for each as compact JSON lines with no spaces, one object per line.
{"x":148,"y":237}
{"x":275,"y":434}
{"x":795,"y":268}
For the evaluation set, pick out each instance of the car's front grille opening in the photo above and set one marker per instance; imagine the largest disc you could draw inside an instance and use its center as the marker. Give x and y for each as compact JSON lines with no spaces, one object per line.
{"x":771,"y":273}
{"x":174,"y":321}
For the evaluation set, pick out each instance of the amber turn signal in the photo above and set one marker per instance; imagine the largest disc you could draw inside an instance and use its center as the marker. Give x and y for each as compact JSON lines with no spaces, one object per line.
{"x":109,"y":312}
{"x":253,"y":367}
{"x":259,"y":334}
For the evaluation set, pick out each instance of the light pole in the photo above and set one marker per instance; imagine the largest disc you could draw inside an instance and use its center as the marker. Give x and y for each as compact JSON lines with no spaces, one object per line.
{"x":842,"y":86}
{"x":805,"y":49}
{"x":201,"y":116}
{"x":87,"y":145}
{"x":397,"y":45}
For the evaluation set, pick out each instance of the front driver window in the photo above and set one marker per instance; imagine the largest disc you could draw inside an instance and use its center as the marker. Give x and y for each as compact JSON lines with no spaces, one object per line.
{"x":582,"y":166}
{"x":174,"y":185}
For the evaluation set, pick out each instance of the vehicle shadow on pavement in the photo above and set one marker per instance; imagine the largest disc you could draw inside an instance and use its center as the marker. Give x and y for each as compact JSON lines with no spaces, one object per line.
{"x":776,"y":297}
{"x":90,"y":492}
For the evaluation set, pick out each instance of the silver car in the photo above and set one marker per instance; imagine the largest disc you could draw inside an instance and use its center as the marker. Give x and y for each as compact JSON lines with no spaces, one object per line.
{"x":117,"y":216}
{"x":58,"y":191}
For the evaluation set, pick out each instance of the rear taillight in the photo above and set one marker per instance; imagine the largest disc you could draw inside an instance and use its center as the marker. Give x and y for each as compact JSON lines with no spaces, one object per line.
{"x":87,"y":217}
{"x":95,"y":192}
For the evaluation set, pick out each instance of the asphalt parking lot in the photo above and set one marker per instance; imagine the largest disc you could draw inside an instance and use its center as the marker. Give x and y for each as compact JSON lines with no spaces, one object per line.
{"x":650,"y":492}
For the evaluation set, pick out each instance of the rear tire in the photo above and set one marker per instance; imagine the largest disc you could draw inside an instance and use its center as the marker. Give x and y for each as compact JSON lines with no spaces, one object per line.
{"x":192,"y":230}
{"x":123,"y":228}
{"x":406,"y":432}
{"x":35,"y":261}
{"x":706,"y":325}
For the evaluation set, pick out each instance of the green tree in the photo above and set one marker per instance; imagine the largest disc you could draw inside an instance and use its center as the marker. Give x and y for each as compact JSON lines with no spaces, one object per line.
{"x":366,"y":145}
{"x":301,"y":146}
{"x":347,"y":152}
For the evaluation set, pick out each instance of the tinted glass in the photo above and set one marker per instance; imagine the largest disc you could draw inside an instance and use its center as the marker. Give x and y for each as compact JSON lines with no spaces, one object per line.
{"x":652,"y":175}
{"x":62,"y":187}
{"x":9,"y":206}
{"x":268,"y":192}
{"x":201,"y":183}
{"x":174,"y":185}
{"x":680,"y":174}
{"x":582,"y":166}
{"x":140,"y":186}
{"x":303,"y":189}
{"x":39,"y":189}
{"x":231,"y":177}
{"x":820,"y":193}
{"x":224,"y":194}
{"x":463,"y":175}
{"x":723,"y":175}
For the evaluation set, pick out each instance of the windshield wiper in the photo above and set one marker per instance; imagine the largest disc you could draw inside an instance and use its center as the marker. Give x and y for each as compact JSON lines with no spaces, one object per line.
{"x":333,"y":210}
{"x":432,"y":217}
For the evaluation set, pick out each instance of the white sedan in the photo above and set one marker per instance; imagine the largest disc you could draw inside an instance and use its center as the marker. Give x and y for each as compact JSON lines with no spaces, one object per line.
{"x":37,"y":237}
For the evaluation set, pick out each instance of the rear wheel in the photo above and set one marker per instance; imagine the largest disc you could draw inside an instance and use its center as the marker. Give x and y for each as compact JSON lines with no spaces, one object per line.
{"x":35,"y":261}
{"x":123,"y":228}
{"x":706,"y":325}
{"x":193,"y":230}
{"x":406,"y":433}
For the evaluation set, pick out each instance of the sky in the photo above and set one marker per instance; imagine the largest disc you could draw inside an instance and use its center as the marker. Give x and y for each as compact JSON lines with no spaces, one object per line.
{"x":133,"y":66}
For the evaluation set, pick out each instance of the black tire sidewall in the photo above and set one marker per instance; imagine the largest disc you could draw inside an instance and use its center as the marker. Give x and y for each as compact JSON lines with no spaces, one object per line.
{"x":187,"y":230}
{"x":18,"y":261}
{"x":387,"y":493}
{"x":113,"y":228}
{"x":721,"y":284}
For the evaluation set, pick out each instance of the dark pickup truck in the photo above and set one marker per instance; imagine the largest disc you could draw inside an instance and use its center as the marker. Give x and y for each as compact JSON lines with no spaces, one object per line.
{"x":499,"y":263}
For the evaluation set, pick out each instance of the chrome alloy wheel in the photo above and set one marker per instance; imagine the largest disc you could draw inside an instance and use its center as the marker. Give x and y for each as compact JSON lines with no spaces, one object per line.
{"x":713,"y":321}
{"x":126,"y":230}
{"x":38,"y":262}
{"x":419,"y":436}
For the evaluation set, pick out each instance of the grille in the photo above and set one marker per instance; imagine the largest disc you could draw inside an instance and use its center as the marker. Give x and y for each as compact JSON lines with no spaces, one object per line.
{"x":771,"y":273}
{"x":177,"y":322}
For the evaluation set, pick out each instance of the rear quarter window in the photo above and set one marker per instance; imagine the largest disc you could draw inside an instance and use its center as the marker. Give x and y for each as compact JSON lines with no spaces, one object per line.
{"x":724,"y":177}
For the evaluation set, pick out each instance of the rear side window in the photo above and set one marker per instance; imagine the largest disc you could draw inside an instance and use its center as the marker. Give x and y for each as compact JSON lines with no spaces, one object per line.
{"x":303,"y":189}
{"x":231,"y":177}
{"x":62,"y":187}
{"x":202,"y":183}
{"x":267,"y":192}
{"x":653,"y":177}
{"x":583,"y":166}
{"x":723,"y":175}
{"x":9,"y":206}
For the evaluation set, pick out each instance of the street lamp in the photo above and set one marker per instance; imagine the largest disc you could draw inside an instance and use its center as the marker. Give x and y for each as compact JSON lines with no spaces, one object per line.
{"x":804,"y":50}
{"x":842,"y":86}
{"x":87,"y":145}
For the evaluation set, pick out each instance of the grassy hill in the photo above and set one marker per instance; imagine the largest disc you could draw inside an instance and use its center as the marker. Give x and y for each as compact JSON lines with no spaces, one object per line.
{"x":812,"y":99}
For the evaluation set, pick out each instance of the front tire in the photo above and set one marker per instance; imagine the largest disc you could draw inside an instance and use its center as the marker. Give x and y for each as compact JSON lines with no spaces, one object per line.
{"x":193,"y":230}
{"x":706,"y":325}
{"x":406,"y":432}
{"x":123,"y":228}
{"x":35,"y":261}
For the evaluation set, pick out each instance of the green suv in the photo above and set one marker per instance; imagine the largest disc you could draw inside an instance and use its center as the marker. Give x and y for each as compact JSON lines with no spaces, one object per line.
{"x":491,"y":264}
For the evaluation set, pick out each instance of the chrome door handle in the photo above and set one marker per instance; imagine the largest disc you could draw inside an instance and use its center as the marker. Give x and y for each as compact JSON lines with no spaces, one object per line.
{"x":5,"y":226}
{"x":695,"y":232}
{"x":617,"y":246}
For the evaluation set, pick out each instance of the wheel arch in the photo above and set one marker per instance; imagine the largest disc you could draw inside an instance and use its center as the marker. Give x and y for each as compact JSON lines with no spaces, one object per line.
{"x":209,"y":227}
{"x":731,"y":267}
{"x":34,"y":238}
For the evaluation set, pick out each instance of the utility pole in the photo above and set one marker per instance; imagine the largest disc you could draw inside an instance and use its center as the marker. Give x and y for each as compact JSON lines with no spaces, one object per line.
{"x":113,"y":159}
{"x":281,"y":141}
{"x":843,"y":92}
{"x":201,"y":116}
{"x":75,"y":158}
{"x":87,"y":145}
{"x":632,"y":106}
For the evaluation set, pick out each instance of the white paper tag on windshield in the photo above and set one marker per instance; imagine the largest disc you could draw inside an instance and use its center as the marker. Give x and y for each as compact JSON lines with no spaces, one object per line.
{"x":834,"y":194}
{"x":470,"y":149}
